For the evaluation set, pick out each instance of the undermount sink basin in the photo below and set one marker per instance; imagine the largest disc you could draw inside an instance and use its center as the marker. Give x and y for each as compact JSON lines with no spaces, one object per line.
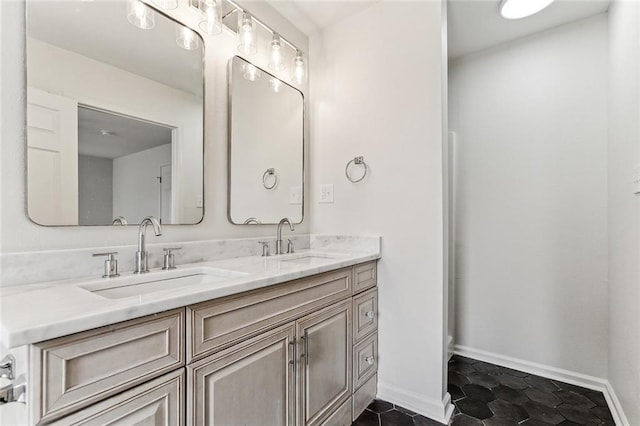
{"x":137,"y":285}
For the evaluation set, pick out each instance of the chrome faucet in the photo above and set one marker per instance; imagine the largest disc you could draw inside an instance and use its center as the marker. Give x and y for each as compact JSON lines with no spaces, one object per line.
{"x":142,"y":255}
{"x":279,"y":234}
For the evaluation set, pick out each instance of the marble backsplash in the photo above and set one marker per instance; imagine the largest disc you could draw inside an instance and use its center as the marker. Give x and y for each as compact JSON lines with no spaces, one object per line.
{"x":52,"y":265}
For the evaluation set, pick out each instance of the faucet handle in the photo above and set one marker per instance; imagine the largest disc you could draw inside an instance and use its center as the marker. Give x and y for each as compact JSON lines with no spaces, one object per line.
{"x":169,"y":258}
{"x":6,"y":367}
{"x":290,"y":246}
{"x":110,"y":264}
{"x":265,"y":248}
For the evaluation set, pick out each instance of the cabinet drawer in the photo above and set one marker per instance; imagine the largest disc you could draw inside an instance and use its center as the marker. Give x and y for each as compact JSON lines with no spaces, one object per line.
{"x":365,"y":314}
{"x":78,"y":370}
{"x":217,"y":324}
{"x":365,"y":360}
{"x":156,"y":403}
{"x":364,"y":276}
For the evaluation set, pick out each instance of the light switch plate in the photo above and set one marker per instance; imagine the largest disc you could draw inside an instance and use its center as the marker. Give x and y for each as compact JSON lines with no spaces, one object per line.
{"x":295,"y":195}
{"x":636,"y":179}
{"x":326,"y":193}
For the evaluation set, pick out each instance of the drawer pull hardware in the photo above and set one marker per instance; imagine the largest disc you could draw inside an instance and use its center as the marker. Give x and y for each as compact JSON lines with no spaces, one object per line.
{"x":370,"y":314}
{"x":370,"y":360}
{"x":305,"y":339}
{"x":292,"y":343}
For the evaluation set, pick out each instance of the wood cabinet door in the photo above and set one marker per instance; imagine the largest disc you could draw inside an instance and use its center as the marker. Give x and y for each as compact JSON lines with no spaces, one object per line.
{"x":251,"y":383}
{"x":159,"y":402}
{"x":324,"y":362}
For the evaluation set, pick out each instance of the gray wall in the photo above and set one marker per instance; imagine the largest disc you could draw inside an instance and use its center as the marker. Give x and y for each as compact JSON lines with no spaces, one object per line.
{"x":95,"y":190}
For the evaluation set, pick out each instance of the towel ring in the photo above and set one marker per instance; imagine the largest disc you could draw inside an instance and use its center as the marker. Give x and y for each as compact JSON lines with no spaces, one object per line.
{"x":356,"y":161}
{"x":265,"y":176}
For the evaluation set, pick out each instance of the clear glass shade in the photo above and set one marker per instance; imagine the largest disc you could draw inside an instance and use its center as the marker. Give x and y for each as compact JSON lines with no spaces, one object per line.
{"x":166,"y":4}
{"x":211,"y":10}
{"x":140,"y":15}
{"x":299,"y":68}
{"x":275,"y":53}
{"x":186,"y":38}
{"x":247,"y":35}
{"x":251,"y":73}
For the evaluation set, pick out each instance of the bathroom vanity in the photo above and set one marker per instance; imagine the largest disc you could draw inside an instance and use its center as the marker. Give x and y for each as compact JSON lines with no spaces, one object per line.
{"x":286,"y":340}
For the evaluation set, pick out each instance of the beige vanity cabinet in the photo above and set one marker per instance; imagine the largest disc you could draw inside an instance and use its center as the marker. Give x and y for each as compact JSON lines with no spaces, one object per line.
{"x":301,"y":369}
{"x":159,"y":402}
{"x":299,"y":353}
{"x":324,"y":365}
{"x":251,"y":383}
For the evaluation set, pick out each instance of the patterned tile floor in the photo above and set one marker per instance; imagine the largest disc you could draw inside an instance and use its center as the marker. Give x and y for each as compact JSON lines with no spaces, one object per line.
{"x":489,"y":395}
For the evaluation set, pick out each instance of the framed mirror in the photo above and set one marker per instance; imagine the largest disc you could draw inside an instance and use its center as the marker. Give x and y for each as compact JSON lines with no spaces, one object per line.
{"x":266,"y":147}
{"x":115,"y":109}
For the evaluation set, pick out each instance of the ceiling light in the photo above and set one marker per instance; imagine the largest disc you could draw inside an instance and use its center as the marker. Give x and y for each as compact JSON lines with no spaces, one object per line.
{"x":516,"y":9}
{"x":140,"y":15}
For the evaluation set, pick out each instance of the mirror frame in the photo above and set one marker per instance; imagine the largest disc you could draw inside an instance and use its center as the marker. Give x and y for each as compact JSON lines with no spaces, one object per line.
{"x":25,"y":125}
{"x":229,"y":141}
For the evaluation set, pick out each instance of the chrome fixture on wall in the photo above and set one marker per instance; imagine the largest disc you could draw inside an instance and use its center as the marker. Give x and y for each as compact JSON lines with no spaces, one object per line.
{"x":357,"y":161}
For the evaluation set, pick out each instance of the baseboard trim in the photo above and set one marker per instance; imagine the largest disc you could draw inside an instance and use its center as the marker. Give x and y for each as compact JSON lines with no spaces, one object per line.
{"x":567,"y":376}
{"x":440,"y":411}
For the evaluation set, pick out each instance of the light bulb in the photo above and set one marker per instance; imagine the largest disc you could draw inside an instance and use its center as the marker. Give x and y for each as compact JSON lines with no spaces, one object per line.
{"x":251,"y":73}
{"x":140,"y":15}
{"x":186,"y":38}
{"x":247,"y":35}
{"x":275,"y":84}
{"x":212,"y":11}
{"x":299,"y":68}
{"x":516,"y":9}
{"x":275,"y":58}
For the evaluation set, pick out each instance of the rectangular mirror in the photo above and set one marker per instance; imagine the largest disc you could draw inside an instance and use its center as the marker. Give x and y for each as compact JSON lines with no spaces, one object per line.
{"x":266,"y":147}
{"x":114,"y":114}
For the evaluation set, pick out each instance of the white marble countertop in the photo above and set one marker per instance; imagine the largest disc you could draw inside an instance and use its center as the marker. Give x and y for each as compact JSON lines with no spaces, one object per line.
{"x":38,"y":312}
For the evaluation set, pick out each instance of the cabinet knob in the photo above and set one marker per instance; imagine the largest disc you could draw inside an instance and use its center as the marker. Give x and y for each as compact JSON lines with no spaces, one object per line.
{"x":370,"y":360}
{"x":370,"y":314}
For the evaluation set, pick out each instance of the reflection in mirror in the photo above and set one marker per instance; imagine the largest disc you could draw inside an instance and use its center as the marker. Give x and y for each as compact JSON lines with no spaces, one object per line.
{"x":266,"y":140}
{"x":114,"y":116}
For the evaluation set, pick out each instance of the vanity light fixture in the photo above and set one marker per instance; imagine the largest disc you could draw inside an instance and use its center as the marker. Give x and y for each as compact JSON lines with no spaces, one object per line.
{"x":186,"y":38}
{"x":247,"y":34}
{"x":251,"y":73}
{"x":275,"y":56}
{"x":166,"y":4}
{"x":140,"y":15}
{"x":299,"y":68}
{"x":516,"y":9}
{"x":212,"y":12}
{"x":275,"y":84}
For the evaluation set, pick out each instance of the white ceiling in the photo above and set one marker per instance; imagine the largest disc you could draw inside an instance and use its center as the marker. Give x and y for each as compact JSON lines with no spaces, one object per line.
{"x":100,"y":30}
{"x":127,"y":136}
{"x":310,"y":16}
{"x":476,"y":25}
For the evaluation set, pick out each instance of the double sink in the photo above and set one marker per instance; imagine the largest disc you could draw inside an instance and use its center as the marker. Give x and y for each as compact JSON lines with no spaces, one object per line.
{"x":192,"y":276}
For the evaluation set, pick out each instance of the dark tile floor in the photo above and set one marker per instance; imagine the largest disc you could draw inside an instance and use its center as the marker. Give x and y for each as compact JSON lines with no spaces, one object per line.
{"x":489,"y":395}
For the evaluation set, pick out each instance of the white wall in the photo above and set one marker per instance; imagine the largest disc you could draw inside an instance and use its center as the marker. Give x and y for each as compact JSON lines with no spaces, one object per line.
{"x":531,"y":125}
{"x":377,"y":92}
{"x":136,"y":189}
{"x":624,"y":207}
{"x":20,"y":234}
{"x":95,"y":190}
